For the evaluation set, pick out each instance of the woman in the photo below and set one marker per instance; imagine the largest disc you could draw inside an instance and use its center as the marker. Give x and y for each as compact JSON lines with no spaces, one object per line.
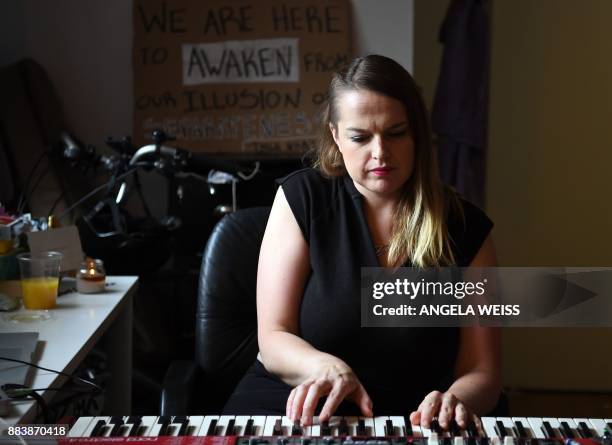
{"x":374,"y":199}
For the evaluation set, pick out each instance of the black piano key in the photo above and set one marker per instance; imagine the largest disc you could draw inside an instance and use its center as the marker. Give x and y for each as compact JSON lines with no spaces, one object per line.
{"x":389,"y":430}
{"x":608,"y":430}
{"x":472,"y":430}
{"x":325,"y":429}
{"x":520,"y":430}
{"x":97,"y":429}
{"x":296,"y":429}
{"x":500,"y":429}
{"x":117,"y":422}
{"x":408,"y":426}
{"x":212,"y":428}
{"x":230,"y":429}
{"x":184,"y":421}
{"x":135,"y":421}
{"x":435,"y":426}
{"x":447,"y":441}
{"x":471,"y":440}
{"x":343,"y":429}
{"x":278,"y":430}
{"x":584,"y":430}
{"x":548,"y":431}
{"x":361,"y":429}
{"x":164,"y":421}
{"x":483,"y":441}
{"x":248,"y":428}
{"x":454,"y":428}
{"x":566,"y":431}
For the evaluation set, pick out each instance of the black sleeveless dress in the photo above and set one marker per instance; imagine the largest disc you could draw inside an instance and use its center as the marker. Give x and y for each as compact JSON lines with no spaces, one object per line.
{"x":397,"y":366}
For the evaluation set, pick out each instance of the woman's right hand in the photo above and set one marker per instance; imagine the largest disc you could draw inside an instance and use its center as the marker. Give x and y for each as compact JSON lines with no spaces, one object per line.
{"x":332,"y":378}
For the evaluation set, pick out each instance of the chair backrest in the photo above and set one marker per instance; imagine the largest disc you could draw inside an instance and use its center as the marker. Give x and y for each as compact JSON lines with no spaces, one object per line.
{"x":226,"y":317}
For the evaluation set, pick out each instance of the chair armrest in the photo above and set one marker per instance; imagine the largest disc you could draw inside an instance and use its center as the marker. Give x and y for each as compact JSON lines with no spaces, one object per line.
{"x":179,"y":388}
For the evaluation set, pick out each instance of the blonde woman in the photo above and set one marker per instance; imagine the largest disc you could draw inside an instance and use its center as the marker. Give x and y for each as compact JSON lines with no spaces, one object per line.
{"x":374,"y":198}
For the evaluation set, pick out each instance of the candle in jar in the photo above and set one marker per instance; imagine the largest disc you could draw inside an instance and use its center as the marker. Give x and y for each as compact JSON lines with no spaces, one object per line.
{"x":91,"y":278}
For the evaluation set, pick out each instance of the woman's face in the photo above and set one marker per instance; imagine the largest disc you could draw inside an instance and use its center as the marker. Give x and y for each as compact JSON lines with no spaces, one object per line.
{"x":374,"y":138}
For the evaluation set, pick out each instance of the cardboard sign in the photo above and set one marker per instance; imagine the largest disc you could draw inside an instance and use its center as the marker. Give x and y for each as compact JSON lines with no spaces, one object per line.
{"x":64,"y":239}
{"x":241,"y":77}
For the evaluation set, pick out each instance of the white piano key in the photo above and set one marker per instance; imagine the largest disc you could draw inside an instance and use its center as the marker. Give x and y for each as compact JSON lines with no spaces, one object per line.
{"x":509,"y":425}
{"x":526,"y":426}
{"x":369,"y":425}
{"x":399,"y":425}
{"x":536,"y":427}
{"x":458,"y":440}
{"x":222,"y":425}
{"x":206,"y":425}
{"x":488,"y":424}
{"x":156,"y":427}
{"x":286,"y":425}
{"x":194,"y":425}
{"x":93,"y":423}
{"x":259,"y":423}
{"x":147,"y":425}
{"x":578,"y":420}
{"x":572,"y":425}
{"x":334,"y":425}
{"x":351,"y":422}
{"x":379,"y":426}
{"x":240,"y":424}
{"x":599,"y":425}
{"x":269,"y":427}
{"x":315,"y":428}
{"x":426,"y":432}
{"x":80,"y":426}
{"x":555,"y":425}
{"x":509,"y":440}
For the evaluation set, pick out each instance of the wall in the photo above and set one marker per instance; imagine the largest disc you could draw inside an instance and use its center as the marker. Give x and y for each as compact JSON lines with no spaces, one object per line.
{"x":86,"y":49}
{"x":549,"y":159}
{"x":549,"y":169}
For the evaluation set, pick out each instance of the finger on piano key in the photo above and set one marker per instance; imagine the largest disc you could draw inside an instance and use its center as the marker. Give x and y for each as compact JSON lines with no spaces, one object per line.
{"x":315,"y":428}
{"x":426,"y":432}
{"x":537,"y":428}
{"x":568,"y":428}
{"x":209,"y":426}
{"x":488,"y":425}
{"x":286,"y":426}
{"x":584,"y":427}
{"x":552,"y":427}
{"x":380,"y":429}
{"x":80,"y":426}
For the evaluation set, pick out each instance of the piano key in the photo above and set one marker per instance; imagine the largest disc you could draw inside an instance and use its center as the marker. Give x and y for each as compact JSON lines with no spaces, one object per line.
{"x":96,"y":427}
{"x":508,"y":425}
{"x":472,"y":431}
{"x":225,"y":425}
{"x":584,"y":427}
{"x":599,"y":425}
{"x":401,"y":429}
{"x":133,"y":424}
{"x":259,"y":423}
{"x":435,"y":427}
{"x":488,"y":424}
{"x":147,"y":425}
{"x":379,"y":426}
{"x":343,"y":429}
{"x":500,"y":429}
{"x":193,"y":426}
{"x":286,"y":426}
{"x":458,"y":440}
{"x":296,"y":429}
{"x":117,"y":424}
{"x":536,"y":427}
{"x":552,"y":427}
{"x":568,"y":428}
{"x":325,"y":428}
{"x":427,"y":432}
{"x":80,"y":426}
{"x":522,"y":428}
{"x":209,"y":426}
{"x":608,"y":431}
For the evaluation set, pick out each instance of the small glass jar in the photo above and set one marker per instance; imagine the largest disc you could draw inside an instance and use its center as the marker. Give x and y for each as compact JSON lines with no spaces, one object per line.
{"x":91,"y":277}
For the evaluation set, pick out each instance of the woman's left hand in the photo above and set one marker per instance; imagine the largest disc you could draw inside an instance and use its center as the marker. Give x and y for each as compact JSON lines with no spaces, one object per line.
{"x":446,"y":407}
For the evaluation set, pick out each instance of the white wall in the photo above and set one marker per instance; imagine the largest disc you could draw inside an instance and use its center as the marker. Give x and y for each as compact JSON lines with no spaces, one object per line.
{"x":86,"y":47}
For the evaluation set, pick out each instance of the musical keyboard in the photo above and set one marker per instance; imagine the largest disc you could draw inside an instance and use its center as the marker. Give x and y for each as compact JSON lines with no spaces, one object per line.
{"x":279,"y":430}
{"x":381,"y":430}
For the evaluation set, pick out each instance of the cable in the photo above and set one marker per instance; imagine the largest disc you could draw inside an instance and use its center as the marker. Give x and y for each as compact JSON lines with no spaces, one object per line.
{"x":65,"y":374}
{"x":250,"y":175}
{"x":94,"y":191}
{"x":26,"y":185}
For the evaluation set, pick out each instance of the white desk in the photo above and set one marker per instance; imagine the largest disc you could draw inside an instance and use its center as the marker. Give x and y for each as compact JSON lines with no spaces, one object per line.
{"x":77,"y":324}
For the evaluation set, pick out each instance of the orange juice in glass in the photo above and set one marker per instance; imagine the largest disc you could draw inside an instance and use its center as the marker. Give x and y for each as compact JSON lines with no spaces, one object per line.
{"x":39,"y":279}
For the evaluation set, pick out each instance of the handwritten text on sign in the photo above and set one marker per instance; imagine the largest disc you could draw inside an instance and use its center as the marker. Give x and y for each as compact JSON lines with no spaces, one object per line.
{"x":241,"y":77}
{"x":234,"y":61}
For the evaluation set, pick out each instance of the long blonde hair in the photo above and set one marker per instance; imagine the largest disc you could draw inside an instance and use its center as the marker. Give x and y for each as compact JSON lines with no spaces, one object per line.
{"x":419,"y":233}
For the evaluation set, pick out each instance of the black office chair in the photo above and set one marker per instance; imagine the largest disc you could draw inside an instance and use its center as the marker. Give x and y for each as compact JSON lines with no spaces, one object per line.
{"x":226,"y":318}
